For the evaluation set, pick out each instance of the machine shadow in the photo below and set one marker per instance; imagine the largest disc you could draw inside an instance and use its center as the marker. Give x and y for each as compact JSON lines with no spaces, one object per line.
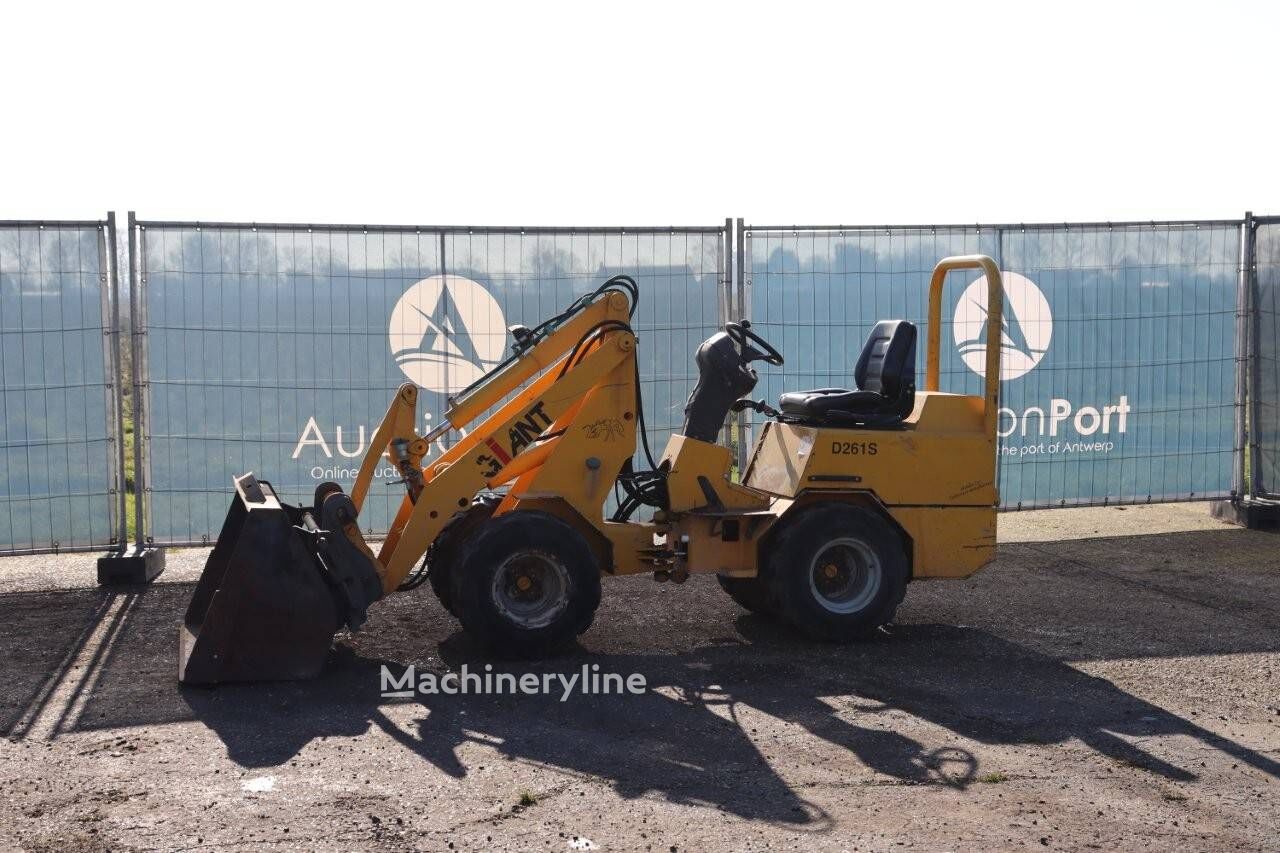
{"x":667,"y":742}
{"x":689,"y":737}
{"x":993,"y":691}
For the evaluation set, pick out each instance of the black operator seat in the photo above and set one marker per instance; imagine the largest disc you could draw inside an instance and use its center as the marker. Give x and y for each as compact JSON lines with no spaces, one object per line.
{"x":884,"y":385}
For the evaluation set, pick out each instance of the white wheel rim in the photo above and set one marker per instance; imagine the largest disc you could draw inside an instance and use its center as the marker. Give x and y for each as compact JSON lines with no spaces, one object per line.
{"x":845,"y":576}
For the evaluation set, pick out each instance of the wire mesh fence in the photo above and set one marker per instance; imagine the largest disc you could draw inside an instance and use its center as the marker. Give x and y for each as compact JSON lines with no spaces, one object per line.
{"x":59,"y":480}
{"x":277,"y":348}
{"x":1136,"y":356}
{"x":1119,"y":349}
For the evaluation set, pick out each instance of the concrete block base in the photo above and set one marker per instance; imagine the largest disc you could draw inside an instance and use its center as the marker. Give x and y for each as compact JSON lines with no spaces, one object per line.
{"x":134,"y":566}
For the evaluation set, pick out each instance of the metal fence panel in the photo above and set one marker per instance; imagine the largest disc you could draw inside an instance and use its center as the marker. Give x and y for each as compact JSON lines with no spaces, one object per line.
{"x":58,"y":477}
{"x":1265,"y":400}
{"x":277,"y":348}
{"x":1118,"y":348}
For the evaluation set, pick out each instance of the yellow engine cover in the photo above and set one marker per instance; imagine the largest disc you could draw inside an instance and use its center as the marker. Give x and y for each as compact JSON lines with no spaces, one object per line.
{"x":940,"y":458}
{"x":935,"y":476}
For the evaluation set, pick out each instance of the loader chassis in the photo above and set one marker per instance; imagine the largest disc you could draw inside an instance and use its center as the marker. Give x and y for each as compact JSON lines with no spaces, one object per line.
{"x":825,"y":528}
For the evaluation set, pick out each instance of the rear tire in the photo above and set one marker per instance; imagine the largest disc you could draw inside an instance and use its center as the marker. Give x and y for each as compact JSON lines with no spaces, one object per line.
{"x":751,"y":594}
{"x":526,"y":584}
{"x":838,"y":572}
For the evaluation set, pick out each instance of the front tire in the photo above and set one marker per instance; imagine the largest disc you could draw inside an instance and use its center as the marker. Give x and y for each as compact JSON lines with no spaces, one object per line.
{"x":838,"y":572}
{"x":526,"y":584}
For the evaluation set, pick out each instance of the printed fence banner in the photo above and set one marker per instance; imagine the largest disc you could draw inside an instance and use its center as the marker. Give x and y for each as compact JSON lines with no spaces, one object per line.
{"x":1118,"y":343}
{"x":278,"y":349}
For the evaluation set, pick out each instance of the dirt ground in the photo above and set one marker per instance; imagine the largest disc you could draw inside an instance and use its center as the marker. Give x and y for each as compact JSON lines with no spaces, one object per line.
{"x":1111,"y":682}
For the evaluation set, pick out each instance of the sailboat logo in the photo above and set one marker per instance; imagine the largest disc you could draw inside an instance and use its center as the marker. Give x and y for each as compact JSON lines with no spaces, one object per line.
{"x":1026,"y":327}
{"x":446,"y":332}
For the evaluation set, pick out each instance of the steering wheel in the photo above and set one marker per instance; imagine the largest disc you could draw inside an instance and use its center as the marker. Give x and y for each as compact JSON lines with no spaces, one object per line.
{"x":741,"y":333}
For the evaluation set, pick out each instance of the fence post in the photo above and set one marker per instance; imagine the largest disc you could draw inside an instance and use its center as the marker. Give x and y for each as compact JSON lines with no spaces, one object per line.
{"x":143,"y":564}
{"x":1000,"y":457}
{"x":135,"y":349}
{"x":742,"y":312}
{"x":727,"y":307}
{"x":726,"y":311}
{"x":444,"y":288}
{"x":1239,"y":488}
{"x":150,"y":559}
{"x":1251,"y":369}
{"x":116,"y":366}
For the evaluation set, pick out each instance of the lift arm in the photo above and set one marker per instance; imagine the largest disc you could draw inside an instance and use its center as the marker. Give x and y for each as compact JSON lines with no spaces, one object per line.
{"x":595,"y":345}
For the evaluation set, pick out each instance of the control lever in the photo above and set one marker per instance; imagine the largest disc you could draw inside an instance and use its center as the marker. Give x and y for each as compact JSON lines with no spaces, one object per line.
{"x":756,"y":406}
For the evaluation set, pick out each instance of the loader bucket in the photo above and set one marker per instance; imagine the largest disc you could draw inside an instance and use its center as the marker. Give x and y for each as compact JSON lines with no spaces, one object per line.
{"x":268,"y":603}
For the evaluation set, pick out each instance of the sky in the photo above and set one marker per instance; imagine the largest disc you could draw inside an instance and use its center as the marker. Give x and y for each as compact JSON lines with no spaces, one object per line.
{"x":638,"y":113}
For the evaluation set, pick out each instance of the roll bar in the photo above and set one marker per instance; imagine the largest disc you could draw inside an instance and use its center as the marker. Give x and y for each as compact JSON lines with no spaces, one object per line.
{"x":995,"y":329}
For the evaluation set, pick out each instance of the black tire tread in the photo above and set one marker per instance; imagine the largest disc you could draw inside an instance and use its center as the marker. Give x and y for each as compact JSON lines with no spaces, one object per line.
{"x":480,"y":554}
{"x":445,"y":550}
{"x":801,"y":537}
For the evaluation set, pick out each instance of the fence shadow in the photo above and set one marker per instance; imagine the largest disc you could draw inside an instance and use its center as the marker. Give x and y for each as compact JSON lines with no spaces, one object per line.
{"x":41,"y":634}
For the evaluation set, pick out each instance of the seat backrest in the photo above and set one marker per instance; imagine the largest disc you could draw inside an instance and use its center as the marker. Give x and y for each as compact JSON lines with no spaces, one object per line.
{"x":722,"y":378}
{"x":888,"y":361}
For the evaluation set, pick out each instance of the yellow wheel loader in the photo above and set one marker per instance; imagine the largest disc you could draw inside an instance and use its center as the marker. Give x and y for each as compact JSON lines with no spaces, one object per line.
{"x":848,"y":495}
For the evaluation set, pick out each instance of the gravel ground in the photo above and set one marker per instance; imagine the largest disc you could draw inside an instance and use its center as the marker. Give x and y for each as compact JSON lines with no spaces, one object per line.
{"x":1110,"y":682}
